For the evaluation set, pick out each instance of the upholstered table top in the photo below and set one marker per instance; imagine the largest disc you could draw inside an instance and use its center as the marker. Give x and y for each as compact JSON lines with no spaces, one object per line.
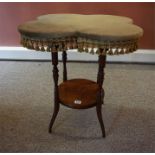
{"x":88,"y":33}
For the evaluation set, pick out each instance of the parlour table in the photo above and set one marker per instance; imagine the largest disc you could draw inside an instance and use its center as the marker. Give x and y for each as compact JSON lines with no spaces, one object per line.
{"x":94,"y":34}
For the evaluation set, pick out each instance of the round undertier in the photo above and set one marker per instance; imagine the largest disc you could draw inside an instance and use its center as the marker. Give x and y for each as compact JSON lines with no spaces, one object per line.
{"x":79,"y":93}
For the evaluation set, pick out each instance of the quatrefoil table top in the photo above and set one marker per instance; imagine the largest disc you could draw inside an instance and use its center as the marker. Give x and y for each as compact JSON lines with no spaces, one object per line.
{"x":87,"y":33}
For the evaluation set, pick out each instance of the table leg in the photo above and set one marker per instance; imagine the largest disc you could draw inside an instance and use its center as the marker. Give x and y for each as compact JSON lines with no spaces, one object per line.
{"x":56,"y":95}
{"x":100,"y":79}
{"x":64,"y":59}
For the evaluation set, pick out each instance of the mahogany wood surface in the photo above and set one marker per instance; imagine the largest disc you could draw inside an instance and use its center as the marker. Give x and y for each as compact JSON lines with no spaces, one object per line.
{"x":78,"y":93}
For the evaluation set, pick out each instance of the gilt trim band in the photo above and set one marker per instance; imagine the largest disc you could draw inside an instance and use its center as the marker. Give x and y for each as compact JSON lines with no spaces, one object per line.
{"x":82,"y":44}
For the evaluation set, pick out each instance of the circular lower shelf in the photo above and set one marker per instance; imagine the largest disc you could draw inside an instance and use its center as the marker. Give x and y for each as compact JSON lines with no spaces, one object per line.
{"x":78,"y":93}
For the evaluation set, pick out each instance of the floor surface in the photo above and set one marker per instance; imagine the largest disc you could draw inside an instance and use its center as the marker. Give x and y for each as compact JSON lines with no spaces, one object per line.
{"x":26,"y":105}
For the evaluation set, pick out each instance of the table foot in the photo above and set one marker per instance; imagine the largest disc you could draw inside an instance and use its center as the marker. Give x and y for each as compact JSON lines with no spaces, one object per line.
{"x":99,"y":115}
{"x":55,"y":113}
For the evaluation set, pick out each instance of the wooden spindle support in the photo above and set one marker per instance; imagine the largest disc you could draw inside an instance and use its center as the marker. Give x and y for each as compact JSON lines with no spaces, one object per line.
{"x":64,"y":59}
{"x":100,"y":79}
{"x":56,"y":93}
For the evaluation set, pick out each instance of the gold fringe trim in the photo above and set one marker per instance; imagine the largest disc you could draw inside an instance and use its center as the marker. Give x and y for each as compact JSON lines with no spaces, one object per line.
{"x":83,"y":45}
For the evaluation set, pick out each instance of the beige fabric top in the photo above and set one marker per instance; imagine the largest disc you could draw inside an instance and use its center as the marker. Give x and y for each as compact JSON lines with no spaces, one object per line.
{"x":106,"y":29}
{"x":100,"y":27}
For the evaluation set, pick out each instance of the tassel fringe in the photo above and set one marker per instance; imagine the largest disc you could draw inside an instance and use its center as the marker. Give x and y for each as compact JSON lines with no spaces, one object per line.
{"x":83,"y":45}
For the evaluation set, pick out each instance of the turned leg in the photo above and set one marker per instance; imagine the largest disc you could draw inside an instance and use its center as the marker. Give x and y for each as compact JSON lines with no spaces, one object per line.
{"x":56,"y":95}
{"x":64,"y":59}
{"x":100,"y":79}
{"x":102,"y":96}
